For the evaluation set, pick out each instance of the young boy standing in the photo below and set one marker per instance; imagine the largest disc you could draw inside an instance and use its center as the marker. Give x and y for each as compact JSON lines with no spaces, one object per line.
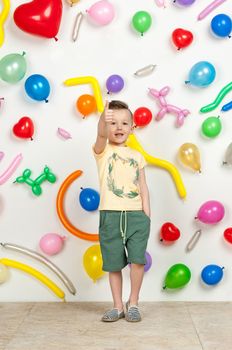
{"x":124,"y":207}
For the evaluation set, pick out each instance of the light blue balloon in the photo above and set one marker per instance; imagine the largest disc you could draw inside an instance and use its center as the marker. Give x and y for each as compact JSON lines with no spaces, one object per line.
{"x":37,"y":87}
{"x":201,"y":74}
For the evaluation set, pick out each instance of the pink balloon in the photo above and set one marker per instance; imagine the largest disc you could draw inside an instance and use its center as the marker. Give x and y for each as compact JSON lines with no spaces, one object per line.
{"x":211,"y":212}
{"x":11,"y":168}
{"x":51,"y":243}
{"x":102,"y":12}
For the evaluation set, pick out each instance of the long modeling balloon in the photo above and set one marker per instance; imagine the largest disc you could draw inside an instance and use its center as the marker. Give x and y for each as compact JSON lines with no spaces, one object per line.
{"x":132,"y":141}
{"x":61,"y":212}
{"x":11,"y":168}
{"x":145,"y":70}
{"x":35,"y":273}
{"x":3,"y":17}
{"x":77,"y":24}
{"x":209,"y":9}
{"x":95,"y":85}
{"x":64,"y":133}
{"x":45,"y":261}
{"x":227,"y":107}
{"x":224,"y":91}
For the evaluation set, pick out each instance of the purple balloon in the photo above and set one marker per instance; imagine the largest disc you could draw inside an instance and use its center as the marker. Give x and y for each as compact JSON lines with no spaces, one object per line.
{"x":114,"y":83}
{"x":211,"y":212}
{"x":148,"y":264}
{"x":185,"y":2}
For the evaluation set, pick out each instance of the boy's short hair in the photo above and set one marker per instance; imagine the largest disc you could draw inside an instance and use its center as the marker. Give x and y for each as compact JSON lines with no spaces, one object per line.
{"x":115,"y":104}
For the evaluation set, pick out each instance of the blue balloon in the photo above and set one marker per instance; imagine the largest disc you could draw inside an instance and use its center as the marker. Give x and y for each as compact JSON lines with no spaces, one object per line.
{"x":201,"y":74}
{"x":227,"y":107}
{"x":221,"y":25}
{"x":89,"y":199}
{"x":37,"y":87}
{"x":212,"y":274}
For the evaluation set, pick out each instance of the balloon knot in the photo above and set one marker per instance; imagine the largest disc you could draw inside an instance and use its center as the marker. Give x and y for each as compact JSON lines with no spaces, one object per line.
{"x":187,"y":81}
{"x":56,"y":39}
{"x":24,"y":53}
{"x":46,"y":101}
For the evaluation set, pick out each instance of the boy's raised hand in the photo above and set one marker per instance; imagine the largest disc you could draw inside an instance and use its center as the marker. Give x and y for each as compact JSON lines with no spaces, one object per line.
{"x":108,"y":113}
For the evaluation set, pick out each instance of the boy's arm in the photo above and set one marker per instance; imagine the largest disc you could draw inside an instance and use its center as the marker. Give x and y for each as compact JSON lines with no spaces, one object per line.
{"x":144,"y":192}
{"x":101,"y":140}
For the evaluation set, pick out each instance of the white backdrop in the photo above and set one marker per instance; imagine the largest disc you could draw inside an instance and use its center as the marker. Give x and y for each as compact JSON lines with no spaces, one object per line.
{"x":100,"y":52}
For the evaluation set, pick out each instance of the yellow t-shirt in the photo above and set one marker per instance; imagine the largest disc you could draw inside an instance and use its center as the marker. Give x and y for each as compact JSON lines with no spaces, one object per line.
{"x":118,"y":171}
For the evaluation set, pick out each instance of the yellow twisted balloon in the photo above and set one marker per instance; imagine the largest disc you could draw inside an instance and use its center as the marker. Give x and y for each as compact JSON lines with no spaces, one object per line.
{"x":3,"y":17}
{"x":132,"y":140}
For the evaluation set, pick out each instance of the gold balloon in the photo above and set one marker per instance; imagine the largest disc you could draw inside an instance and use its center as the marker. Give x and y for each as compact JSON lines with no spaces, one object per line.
{"x":92,"y":261}
{"x":189,"y":155}
{"x":4,"y":273}
{"x":72,"y":2}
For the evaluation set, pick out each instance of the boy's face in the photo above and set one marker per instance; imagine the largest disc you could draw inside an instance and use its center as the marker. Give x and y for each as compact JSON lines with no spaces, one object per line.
{"x":120,"y":127}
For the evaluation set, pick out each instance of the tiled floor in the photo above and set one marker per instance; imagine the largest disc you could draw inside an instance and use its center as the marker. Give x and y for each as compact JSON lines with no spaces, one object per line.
{"x":71,"y":326}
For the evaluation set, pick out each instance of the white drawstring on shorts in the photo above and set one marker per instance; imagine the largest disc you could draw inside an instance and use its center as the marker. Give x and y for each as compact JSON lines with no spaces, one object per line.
{"x":123,"y":232}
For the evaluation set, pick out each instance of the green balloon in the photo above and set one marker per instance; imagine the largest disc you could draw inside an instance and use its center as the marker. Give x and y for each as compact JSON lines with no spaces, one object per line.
{"x":141,"y":21}
{"x":177,"y":276}
{"x":211,"y":127}
{"x":13,"y":67}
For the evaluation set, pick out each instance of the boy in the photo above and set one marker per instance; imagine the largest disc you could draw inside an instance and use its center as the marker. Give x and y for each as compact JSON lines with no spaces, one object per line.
{"x":124,"y":207}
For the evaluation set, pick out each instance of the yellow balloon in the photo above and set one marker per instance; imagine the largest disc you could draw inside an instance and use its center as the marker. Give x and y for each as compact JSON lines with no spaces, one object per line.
{"x":189,"y":155}
{"x":3,"y":17}
{"x":35,"y":273}
{"x":92,"y":261}
{"x":4,"y":273}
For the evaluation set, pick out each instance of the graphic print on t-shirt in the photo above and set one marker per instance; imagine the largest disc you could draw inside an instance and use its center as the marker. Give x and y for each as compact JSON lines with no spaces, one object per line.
{"x":120,"y":169}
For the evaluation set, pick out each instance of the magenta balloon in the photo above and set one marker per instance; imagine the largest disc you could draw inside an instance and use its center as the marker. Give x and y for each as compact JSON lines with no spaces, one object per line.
{"x":211,"y":212}
{"x":185,"y":2}
{"x":114,"y":83}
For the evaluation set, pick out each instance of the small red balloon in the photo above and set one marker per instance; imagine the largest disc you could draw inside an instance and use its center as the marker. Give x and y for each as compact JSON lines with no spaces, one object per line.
{"x":24,"y":128}
{"x":169,"y":232}
{"x":182,"y":38}
{"x":40,"y":17}
{"x":142,"y":116}
{"x":228,"y":234}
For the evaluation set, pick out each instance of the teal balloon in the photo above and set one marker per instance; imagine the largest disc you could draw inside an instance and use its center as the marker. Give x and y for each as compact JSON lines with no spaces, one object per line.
{"x":141,"y":21}
{"x":13,"y":67}
{"x":201,"y":74}
{"x":177,"y":276}
{"x":211,"y":127}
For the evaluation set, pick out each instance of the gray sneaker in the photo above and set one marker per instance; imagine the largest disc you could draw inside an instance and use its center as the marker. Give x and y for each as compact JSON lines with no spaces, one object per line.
{"x":112,"y":315}
{"x":132,"y":313}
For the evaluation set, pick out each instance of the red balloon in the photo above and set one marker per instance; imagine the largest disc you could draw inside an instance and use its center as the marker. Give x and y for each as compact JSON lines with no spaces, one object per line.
{"x":228,"y":234}
{"x":24,"y":128}
{"x":169,"y":232}
{"x":40,"y":17}
{"x":182,"y":38}
{"x":142,"y":116}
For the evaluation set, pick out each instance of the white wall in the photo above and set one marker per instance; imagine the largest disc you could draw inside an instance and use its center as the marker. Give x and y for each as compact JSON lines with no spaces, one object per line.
{"x":100,"y":52}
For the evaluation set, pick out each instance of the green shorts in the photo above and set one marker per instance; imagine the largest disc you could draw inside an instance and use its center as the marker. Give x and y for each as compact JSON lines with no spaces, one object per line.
{"x":123,"y":238}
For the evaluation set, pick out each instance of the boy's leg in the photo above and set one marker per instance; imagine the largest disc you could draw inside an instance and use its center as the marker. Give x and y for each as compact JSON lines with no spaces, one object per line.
{"x":115,"y":279}
{"x":136,"y":277}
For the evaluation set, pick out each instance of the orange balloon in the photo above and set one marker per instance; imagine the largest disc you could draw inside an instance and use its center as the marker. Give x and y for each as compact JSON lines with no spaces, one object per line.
{"x":61,"y":212}
{"x":86,"y":104}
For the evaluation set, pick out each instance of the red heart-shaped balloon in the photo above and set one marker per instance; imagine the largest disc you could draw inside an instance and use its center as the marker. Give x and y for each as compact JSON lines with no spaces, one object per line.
{"x":182,"y":38}
{"x":228,"y":234}
{"x":40,"y":17}
{"x":169,"y":232}
{"x":24,"y":128}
